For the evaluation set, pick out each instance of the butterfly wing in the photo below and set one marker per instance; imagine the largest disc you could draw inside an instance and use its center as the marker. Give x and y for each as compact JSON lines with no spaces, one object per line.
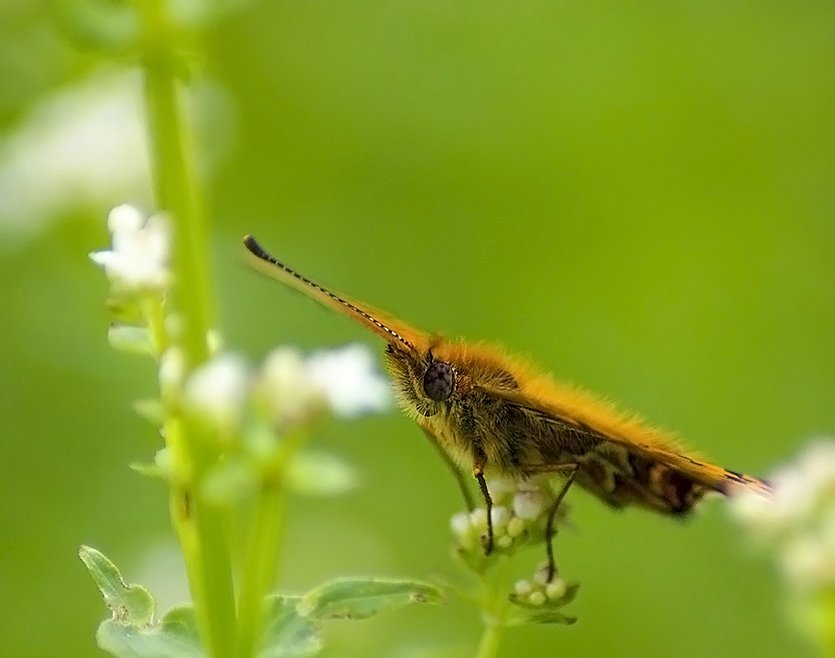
{"x":622,"y":460}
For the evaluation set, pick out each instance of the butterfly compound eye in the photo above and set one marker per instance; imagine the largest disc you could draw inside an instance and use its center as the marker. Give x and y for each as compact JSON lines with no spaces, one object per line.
{"x":438,"y":381}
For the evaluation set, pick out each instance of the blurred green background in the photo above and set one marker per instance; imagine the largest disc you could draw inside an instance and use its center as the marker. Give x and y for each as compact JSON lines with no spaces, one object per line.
{"x":638,"y":195}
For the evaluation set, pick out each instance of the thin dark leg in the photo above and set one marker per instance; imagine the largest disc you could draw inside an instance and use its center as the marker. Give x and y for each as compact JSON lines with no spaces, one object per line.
{"x":459,"y":477}
{"x":488,"y":501}
{"x":552,"y":514}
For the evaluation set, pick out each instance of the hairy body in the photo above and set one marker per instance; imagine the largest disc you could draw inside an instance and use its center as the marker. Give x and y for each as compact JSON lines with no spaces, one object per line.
{"x":495,"y":414}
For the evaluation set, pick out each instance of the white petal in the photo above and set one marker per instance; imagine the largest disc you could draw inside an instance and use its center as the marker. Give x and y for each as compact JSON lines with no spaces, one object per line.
{"x":529,"y":504}
{"x":138,"y":260}
{"x":286,"y":388}
{"x":218,"y":390}
{"x":349,"y":381}
{"x":124,"y":219}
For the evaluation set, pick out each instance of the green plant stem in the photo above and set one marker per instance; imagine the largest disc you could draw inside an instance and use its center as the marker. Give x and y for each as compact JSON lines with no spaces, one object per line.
{"x":488,"y":646}
{"x":199,"y":526}
{"x":261,"y":558}
{"x":260,"y":567}
{"x":155,"y":319}
{"x":495,"y":604}
{"x":827,"y":623}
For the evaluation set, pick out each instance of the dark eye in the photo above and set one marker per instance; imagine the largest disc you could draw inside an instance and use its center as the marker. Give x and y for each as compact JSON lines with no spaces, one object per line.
{"x":438,"y":381}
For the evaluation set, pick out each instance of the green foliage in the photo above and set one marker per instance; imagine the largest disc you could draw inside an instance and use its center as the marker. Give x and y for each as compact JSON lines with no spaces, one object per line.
{"x":131,"y":605}
{"x":357,"y":598}
{"x":292,"y":624}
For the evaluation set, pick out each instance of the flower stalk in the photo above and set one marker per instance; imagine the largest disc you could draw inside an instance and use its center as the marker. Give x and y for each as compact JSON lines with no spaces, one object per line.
{"x":199,"y":525}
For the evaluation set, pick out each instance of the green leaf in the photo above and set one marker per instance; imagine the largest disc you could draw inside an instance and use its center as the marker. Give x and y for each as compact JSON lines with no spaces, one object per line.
{"x":545,"y":616}
{"x":357,"y":598}
{"x":287,"y":634}
{"x":316,"y":473}
{"x":150,"y":409}
{"x":131,"y":631}
{"x":161,"y":468}
{"x":175,"y":636}
{"x":130,"y":604}
{"x":133,"y":340}
{"x":106,"y":26}
{"x":548,"y":612}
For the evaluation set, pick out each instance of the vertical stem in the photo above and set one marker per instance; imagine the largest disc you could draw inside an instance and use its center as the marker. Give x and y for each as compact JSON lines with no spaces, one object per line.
{"x":494,"y":613}
{"x":491,"y":638}
{"x":176,"y":193}
{"x":827,"y":622}
{"x":260,"y":567}
{"x":262,"y":550}
{"x":199,"y":526}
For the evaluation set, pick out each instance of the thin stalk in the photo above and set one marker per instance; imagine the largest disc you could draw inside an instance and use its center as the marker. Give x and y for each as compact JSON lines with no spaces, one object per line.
{"x":488,"y":646}
{"x":260,"y":568}
{"x":199,"y":526}
{"x":261,"y":560}
{"x":495,"y":604}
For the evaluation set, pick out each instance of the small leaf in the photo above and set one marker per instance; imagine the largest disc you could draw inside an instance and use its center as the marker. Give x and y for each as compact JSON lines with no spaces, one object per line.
{"x":150,"y":409}
{"x":356,"y":598}
{"x":545,"y":616}
{"x":161,"y":468}
{"x":133,"y":340}
{"x":131,"y":605}
{"x":316,"y":473}
{"x":110,"y":27}
{"x":175,"y":636}
{"x":286,"y":633}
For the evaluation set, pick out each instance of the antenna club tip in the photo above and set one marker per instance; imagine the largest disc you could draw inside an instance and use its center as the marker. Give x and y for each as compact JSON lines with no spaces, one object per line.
{"x":252,"y":245}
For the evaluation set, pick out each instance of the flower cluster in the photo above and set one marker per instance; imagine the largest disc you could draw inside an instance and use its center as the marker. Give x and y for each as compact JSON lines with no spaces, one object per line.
{"x":245,"y":410}
{"x":519,"y":518}
{"x":539,"y":590}
{"x":799,"y":520}
{"x":289,"y":389}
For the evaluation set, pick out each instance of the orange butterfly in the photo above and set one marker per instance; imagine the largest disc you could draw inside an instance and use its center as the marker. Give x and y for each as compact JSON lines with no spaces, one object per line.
{"x":495,"y":415}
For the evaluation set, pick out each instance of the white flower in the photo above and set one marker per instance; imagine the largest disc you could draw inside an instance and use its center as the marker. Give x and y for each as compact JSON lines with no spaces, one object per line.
{"x":516,"y":526}
{"x":556,"y":588}
{"x":77,"y":148}
{"x":536,"y":598}
{"x":522,"y":587}
{"x":502,"y":488}
{"x":138,"y":260}
{"x":500,"y":516}
{"x":344,"y":380}
{"x":286,"y":388}
{"x":218,"y":390}
{"x":350,"y":383}
{"x":83,"y":147}
{"x":799,"y":520}
{"x":462,"y":529}
{"x":529,"y":504}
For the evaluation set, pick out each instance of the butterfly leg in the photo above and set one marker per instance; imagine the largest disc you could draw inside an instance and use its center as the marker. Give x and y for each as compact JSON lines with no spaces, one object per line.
{"x":478,"y":473}
{"x":571,"y":470}
{"x":459,"y":477}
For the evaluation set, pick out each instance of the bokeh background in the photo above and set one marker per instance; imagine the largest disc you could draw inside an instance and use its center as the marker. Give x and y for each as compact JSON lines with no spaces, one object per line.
{"x":638,"y":195}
